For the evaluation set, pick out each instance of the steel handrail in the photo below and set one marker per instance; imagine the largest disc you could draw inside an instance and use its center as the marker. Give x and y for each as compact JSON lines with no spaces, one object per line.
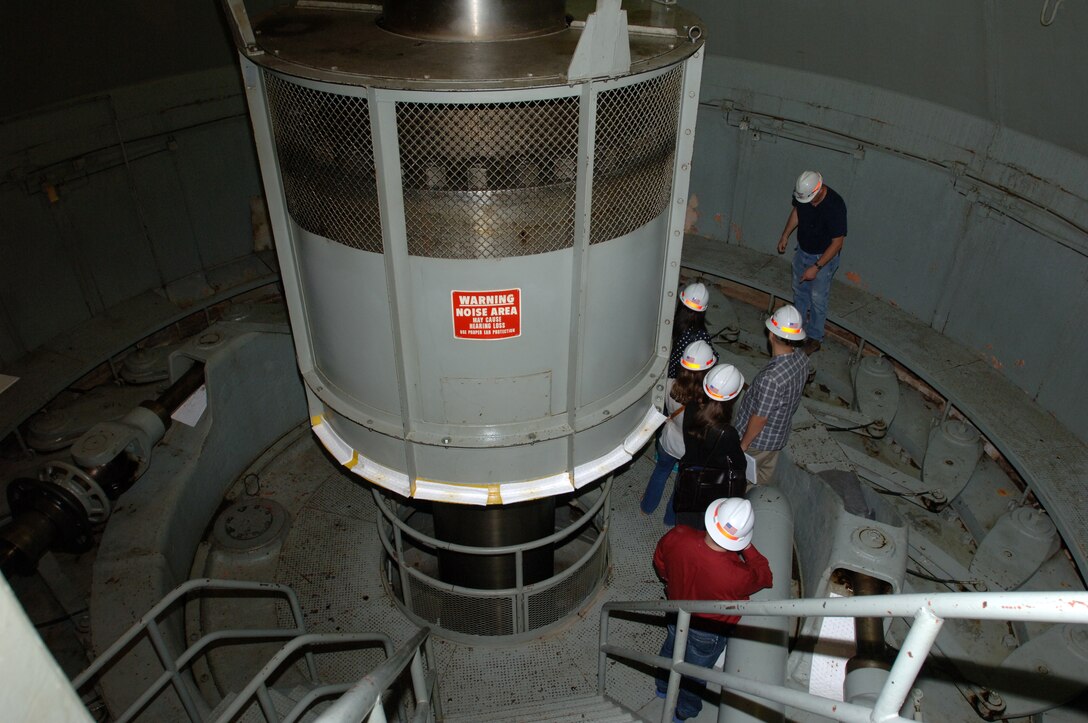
{"x":928,"y":612}
{"x":258,"y":684}
{"x":498,"y":592}
{"x":587,"y":517}
{"x":174,"y":665}
{"x":364,"y":698}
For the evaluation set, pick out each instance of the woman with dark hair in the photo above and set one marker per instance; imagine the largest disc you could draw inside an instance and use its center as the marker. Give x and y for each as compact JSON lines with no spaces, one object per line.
{"x":688,"y":323}
{"x":687,"y":387}
{"x":713,"y":463}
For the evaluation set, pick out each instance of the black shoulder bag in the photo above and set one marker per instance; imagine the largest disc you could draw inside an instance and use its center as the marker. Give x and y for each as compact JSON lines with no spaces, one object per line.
{"x":697,"y":486}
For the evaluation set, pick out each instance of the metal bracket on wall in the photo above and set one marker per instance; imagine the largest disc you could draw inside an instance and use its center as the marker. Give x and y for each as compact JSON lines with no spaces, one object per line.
{"x":769,"y":128}
{"x":1006,"y":204}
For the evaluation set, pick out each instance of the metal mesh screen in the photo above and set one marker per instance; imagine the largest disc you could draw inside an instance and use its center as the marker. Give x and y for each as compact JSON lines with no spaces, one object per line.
{"x":461,"y":613}
{"x":326,"y":159}
{"x":562,"y":599}
{"x":488,"y":180}
{"x":636,"y":142}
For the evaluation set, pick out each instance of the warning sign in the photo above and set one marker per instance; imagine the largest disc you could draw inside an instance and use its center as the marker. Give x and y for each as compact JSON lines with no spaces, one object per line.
{"x":487,"y":315}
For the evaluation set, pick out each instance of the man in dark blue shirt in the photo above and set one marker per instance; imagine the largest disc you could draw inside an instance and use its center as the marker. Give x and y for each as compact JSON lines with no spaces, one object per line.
{"x":819,"y":215}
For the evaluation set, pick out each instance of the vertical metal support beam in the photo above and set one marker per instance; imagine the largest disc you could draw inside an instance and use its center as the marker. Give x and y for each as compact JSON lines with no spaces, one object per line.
{"x":679,"y":649}
{"x":436,"y":699}
{"x":860,"y":351}
{"x":405,"y":578}
{"x":946,"y":411}
{"x":912,"y":656}
{"x":678,"y":206}
{"x":282,"y":227}
{"x":579,"y":275}
{"x":385,"y":138}
{"x":602,"y":657}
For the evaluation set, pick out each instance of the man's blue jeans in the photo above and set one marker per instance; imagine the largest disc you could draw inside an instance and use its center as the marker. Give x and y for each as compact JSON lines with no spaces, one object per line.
{"x":656,"y":486}
{"x":703,"y":649}
{"x":810,"y":297}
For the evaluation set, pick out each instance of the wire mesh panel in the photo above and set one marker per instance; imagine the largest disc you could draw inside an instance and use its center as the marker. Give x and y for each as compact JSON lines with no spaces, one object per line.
{"x":469,"y":615}
{"x":326,"y":159}
{"x":488,"y":180}
{"x":636,"y":142}
{"x":563,"y":598}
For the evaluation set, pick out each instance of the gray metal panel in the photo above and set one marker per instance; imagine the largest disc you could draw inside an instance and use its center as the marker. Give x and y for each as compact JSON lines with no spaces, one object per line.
{"x":383,"y":449}
{"x":347,"y":312}
{"x":170,"y":230}
{"x":1026,"y":283}
{"x":893,"y":243}
{"x":466,"y":401}
{"x":994,"y":60}
{"x":111,"y":246}
{"x":715,"y":173}
{"x":36,"y":311}
{"x":216,"y":195}
{"x":494,"y":464}
{"x":544,"y":280}
{"x":601,"y":439}
{"x":622,"y":305}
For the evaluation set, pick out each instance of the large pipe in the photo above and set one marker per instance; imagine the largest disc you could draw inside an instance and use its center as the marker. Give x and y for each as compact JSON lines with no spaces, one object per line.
{"x":46,"y":516}
{"x":867,"y":671}
{"x":494,"y":527}
{"x":759,"y":647}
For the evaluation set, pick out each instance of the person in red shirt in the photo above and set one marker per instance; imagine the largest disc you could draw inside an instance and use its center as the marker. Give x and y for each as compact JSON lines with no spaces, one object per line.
{"x":719,"y":563}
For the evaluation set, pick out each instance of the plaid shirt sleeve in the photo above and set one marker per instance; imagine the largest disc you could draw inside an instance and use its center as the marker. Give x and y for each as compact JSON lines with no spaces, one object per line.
{"x":766,"y":398}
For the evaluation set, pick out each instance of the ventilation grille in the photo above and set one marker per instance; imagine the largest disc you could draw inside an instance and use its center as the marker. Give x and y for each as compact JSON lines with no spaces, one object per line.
{"x":326,"y":159}
{"x":633,"y":158}
{"x":488,"y":181}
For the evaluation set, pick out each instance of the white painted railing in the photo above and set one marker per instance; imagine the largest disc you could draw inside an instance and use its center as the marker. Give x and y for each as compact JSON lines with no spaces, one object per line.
{"x":927,"y":611}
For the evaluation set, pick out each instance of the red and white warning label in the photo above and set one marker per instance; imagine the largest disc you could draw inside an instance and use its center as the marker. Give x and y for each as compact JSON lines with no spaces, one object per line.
{"x":487,"y":315}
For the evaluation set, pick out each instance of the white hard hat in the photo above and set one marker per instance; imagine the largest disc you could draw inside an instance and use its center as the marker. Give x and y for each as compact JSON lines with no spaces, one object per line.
{"x":787,"y":323}
{"x":723,"y":383}
{"x":730,"y":521}
{"x":698,"y":356}
{"x":695,"y":296}
{"x":808,"y":185}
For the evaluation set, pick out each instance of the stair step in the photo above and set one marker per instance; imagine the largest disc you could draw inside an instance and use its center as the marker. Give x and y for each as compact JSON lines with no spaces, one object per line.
{"x":591,"y":709}
{"x":223,"y":704}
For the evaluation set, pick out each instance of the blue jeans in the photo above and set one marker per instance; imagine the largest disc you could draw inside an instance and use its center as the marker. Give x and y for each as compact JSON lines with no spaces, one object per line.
{"x":703,"y":649}
{"x":810,"y":297}
{"x":656,"y":486}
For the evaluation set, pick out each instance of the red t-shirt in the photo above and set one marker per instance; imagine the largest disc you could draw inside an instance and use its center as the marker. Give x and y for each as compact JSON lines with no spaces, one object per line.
{"x":693,"y":571}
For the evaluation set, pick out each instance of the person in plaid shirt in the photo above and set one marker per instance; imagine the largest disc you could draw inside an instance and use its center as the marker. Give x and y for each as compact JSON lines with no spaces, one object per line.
{"x":767,"y":407}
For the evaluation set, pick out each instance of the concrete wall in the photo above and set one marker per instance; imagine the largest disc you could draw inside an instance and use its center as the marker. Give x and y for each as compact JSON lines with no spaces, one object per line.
{"x":153,"y":186}
{"x":974,"y":228}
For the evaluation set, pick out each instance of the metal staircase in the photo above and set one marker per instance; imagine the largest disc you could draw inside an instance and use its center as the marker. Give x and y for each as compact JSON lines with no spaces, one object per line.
{"x":356,"y":700}
{"x":262,"y":700}
{"x":592,"y":709}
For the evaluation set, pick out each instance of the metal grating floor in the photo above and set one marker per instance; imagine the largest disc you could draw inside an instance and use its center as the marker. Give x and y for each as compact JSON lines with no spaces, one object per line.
{"x":331,"y":558}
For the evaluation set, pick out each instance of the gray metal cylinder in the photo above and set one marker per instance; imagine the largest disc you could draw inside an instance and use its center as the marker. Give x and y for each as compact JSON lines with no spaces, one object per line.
{"x":478,"y":253}
{"x":758,"y":649}
{"x":494,"y":527}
